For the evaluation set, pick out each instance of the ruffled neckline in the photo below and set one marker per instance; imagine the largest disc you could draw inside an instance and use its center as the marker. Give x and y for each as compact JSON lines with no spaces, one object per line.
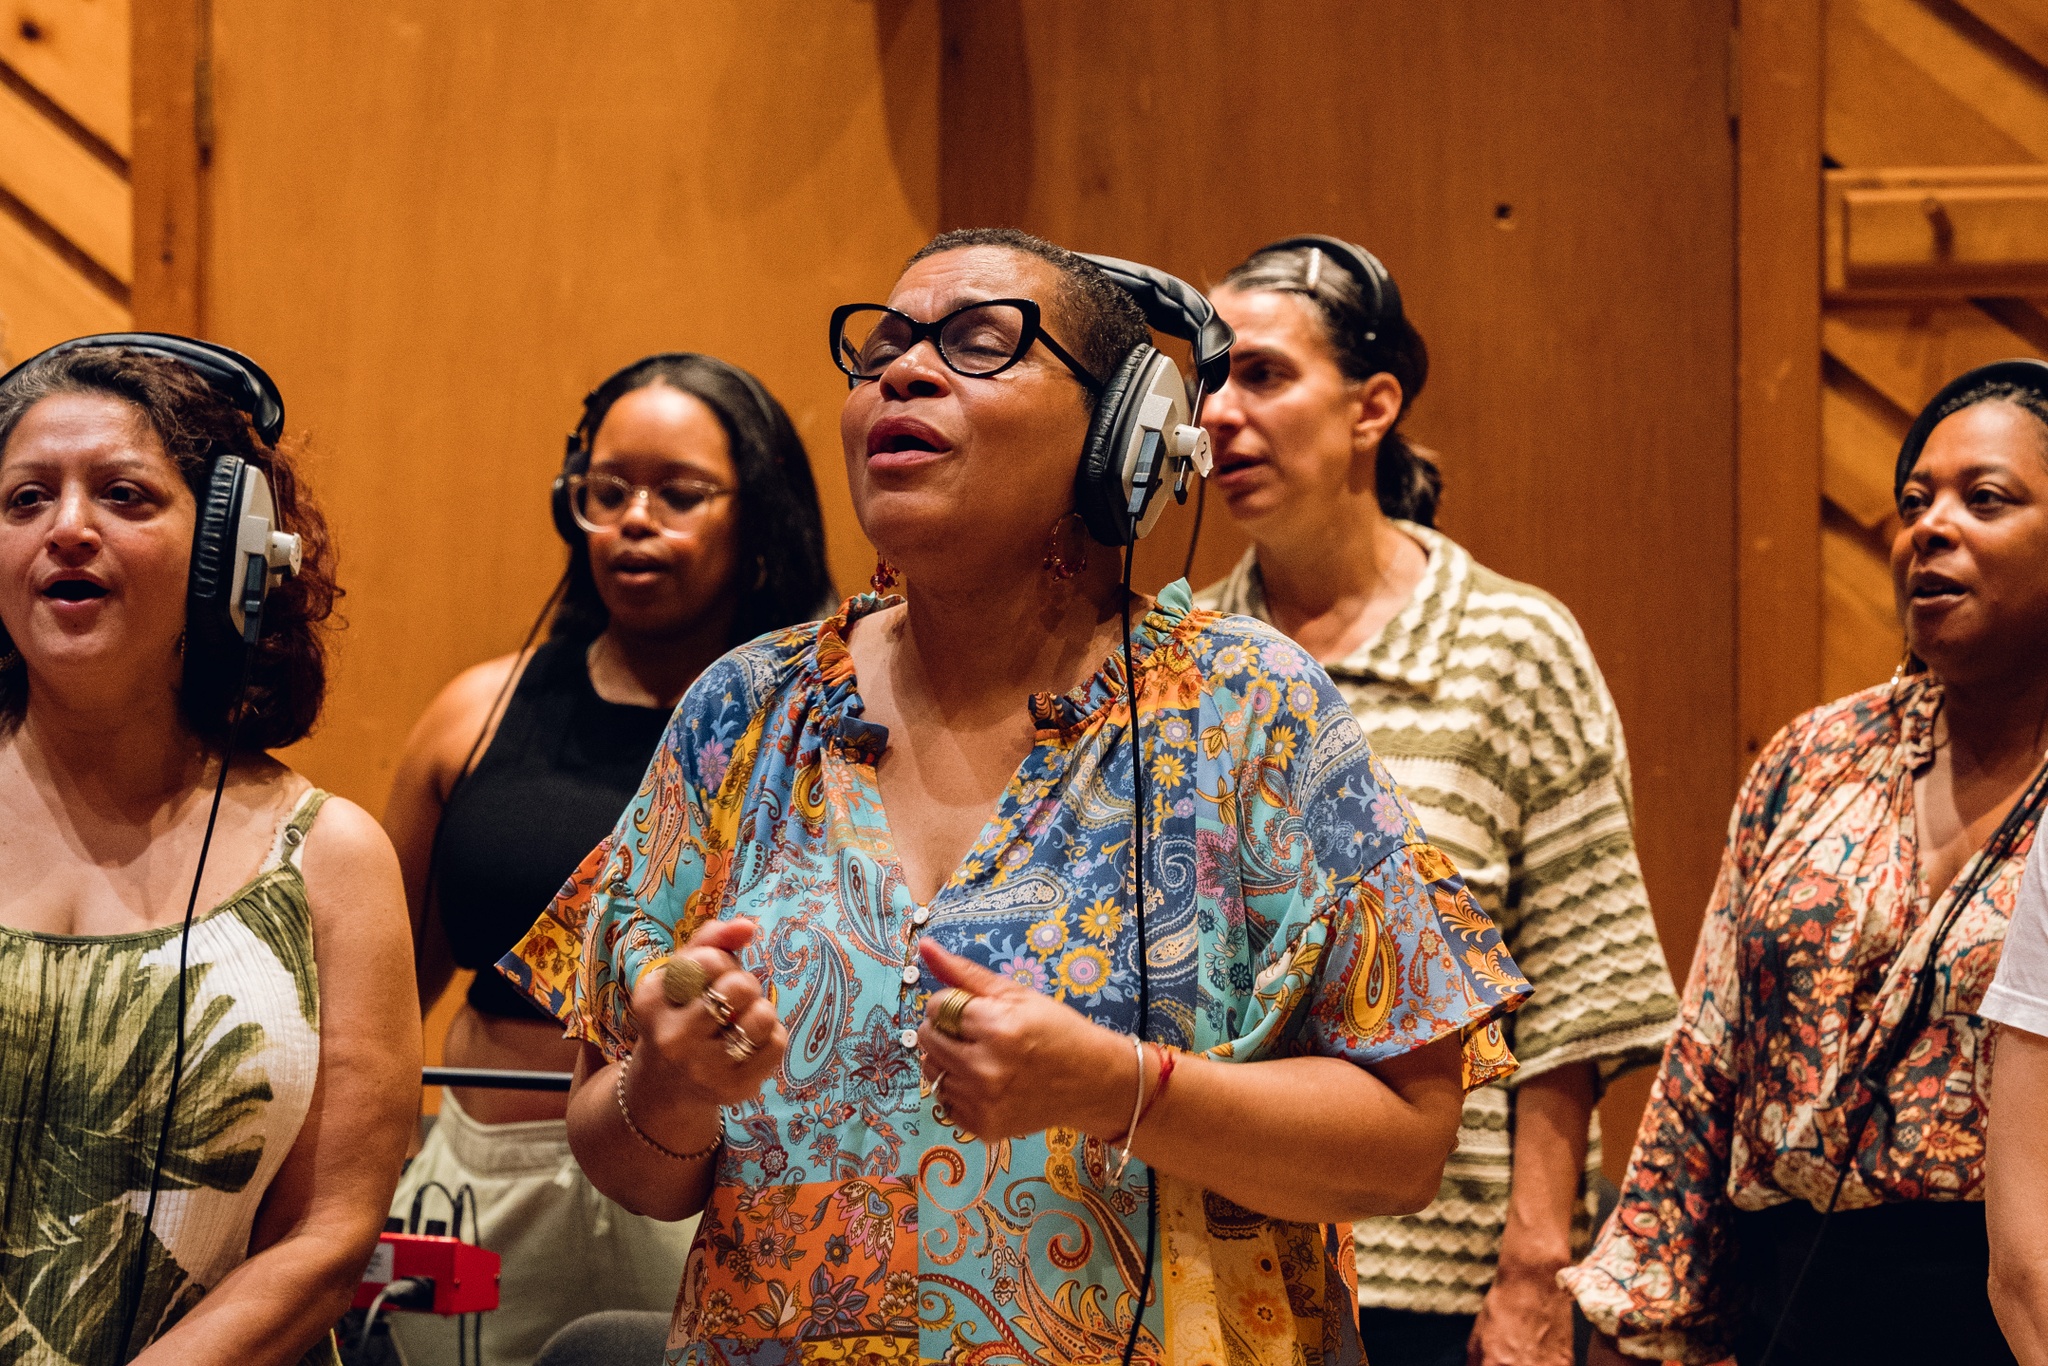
{"x":838,"y":708}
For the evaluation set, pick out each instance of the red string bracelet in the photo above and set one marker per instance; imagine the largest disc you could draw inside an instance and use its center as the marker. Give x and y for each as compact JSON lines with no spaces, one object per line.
{"x":1159,"y":1086}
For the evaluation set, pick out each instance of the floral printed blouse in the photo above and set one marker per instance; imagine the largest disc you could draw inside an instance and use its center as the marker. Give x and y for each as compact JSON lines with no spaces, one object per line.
{"x":1292,"y":908}
{"x":1805,"y":967}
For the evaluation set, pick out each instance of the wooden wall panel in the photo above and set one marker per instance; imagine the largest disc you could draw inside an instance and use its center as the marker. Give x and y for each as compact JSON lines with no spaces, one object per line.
{"x":1563,"y":233}
{"x":43,"y":297}
{"x":75,"y":52}
{"x":439,"y":224}
{"x":63,"y":183}
{"x":1779,"y":641}
{"x":1911,"y":86}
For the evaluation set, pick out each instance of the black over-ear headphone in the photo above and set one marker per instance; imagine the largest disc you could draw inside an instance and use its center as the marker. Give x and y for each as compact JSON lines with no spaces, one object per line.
{"x":1384,"y":297}
{"x":1147,"y":419}
{"x":576,"y":447}
{"x":238,"y":554}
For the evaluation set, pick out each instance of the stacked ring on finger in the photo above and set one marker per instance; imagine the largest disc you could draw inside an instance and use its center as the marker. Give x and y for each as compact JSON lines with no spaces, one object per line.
{"x":684,"y":981}
{"x":738,"y":1045}
{"x":720,"y":1008}
{"x":946,"y":1009}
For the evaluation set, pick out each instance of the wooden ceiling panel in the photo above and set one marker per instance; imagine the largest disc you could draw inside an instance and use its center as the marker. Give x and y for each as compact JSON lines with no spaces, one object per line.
{"x":76,"y":53}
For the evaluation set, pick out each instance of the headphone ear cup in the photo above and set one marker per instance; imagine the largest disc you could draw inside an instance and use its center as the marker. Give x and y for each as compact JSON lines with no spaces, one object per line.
{"x":213,"y":548}
{"x":558,"y":506}
{"x":1099,"y":483}
{"x":575,"y":460}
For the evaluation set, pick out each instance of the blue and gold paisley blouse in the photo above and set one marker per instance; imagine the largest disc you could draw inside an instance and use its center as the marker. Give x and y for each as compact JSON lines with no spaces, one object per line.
{"x":1292,"y":907}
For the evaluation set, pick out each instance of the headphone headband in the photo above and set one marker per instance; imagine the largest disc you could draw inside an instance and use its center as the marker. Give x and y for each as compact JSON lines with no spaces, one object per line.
{"x":229,"y":373}
{"x":2031,"y":375}
{"x":1173,"y":306}
{"x":1358,"y":263}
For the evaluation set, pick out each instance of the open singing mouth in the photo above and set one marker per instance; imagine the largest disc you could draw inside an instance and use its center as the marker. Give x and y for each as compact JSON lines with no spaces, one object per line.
{"x":75,"y":590}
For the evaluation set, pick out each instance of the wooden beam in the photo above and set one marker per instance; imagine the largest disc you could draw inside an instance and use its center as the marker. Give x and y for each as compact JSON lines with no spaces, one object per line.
{"x":1778,"y":369}
{"x":168,"y":169}
{"x":1951,"y":233}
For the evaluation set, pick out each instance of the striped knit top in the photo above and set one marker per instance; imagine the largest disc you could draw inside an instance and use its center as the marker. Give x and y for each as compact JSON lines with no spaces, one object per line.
{"x":1483,"y":700}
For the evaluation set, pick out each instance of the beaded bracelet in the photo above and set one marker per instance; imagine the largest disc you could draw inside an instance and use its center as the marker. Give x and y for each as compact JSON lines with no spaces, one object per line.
{"x":619,"y":1091}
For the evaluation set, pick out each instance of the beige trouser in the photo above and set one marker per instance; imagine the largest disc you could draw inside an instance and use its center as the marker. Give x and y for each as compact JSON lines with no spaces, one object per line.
{"x":568,"y":1251}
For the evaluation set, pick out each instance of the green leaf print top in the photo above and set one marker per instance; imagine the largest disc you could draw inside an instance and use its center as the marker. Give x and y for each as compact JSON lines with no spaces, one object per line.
{"x":88,"y":1027}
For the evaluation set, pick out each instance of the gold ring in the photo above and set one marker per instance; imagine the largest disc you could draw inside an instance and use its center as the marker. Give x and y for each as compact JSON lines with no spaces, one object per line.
{"x":685,"y":980}
{"x":945,"y":1010}
{"x":738,"y":1046}
{"x":720,"y":1008}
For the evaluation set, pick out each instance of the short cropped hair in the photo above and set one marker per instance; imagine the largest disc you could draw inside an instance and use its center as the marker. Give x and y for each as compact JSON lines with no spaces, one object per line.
{"x":287,"y":669}
{"x":1108,"y":323}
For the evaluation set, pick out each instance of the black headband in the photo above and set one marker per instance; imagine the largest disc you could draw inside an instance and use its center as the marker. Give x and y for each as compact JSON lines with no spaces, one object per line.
{"x":2030,"y":375}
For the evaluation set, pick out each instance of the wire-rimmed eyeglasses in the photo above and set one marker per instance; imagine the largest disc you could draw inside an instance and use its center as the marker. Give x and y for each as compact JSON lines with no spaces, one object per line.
{"x":599,"y":502}
{"x":977,"y":340}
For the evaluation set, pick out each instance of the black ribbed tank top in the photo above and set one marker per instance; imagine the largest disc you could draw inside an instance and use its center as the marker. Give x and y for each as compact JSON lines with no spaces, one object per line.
{"x":562,"y":767}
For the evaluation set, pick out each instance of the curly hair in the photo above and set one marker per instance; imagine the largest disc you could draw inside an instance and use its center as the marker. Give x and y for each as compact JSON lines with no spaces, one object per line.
{"x":287,"y":668}
{"x":1406,"y":481}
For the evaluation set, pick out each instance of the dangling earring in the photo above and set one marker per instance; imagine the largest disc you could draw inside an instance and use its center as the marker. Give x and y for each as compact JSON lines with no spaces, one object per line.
{"x":1061,"y":566}
{"x":884,"y":577}
{"x":11,"y":659}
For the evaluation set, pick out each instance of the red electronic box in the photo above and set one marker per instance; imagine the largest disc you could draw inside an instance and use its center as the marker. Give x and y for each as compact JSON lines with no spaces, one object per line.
{"x":465,"y":1276}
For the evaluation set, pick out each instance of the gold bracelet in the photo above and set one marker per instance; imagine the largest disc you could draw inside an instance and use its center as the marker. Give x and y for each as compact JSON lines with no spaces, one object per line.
{"x":619,"y":1090}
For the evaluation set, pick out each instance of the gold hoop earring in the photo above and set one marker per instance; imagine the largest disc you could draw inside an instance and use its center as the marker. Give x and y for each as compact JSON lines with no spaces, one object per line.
{"x":884,"y":577}
{"x":1059,"y":564}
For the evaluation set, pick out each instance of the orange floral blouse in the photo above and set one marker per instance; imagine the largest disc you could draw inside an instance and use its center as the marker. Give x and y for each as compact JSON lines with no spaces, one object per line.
{"x":1805,"y":968}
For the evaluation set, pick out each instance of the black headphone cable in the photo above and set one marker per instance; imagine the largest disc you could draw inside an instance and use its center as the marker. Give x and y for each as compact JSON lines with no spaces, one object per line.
{"x":1187,"y":565}
{"x":1131,"y":691}
{"x":138,"y":1271}
{"x":492,"y":715}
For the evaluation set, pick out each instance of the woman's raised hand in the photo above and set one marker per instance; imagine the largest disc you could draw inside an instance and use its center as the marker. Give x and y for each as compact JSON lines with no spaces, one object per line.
{"x":718,"y":1047}
{"x":1023,"y":1062}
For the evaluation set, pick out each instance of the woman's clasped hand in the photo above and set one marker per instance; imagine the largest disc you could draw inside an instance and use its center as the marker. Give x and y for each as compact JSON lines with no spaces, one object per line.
{"x":688,"y":1062}
{"x":1019,"y":1062}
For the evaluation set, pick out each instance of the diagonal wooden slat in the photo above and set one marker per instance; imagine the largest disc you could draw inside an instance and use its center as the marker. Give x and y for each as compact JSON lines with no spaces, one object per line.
{"x":1907,"y":353}
{"x":1905,"y":89}
{"x":66,"y":186}
{"x":1861,"y":641}
{"x":76,"y":53}
{"x":2023,"y":23}
{"x":1858,"y":449}
{"x":43,"y":300}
